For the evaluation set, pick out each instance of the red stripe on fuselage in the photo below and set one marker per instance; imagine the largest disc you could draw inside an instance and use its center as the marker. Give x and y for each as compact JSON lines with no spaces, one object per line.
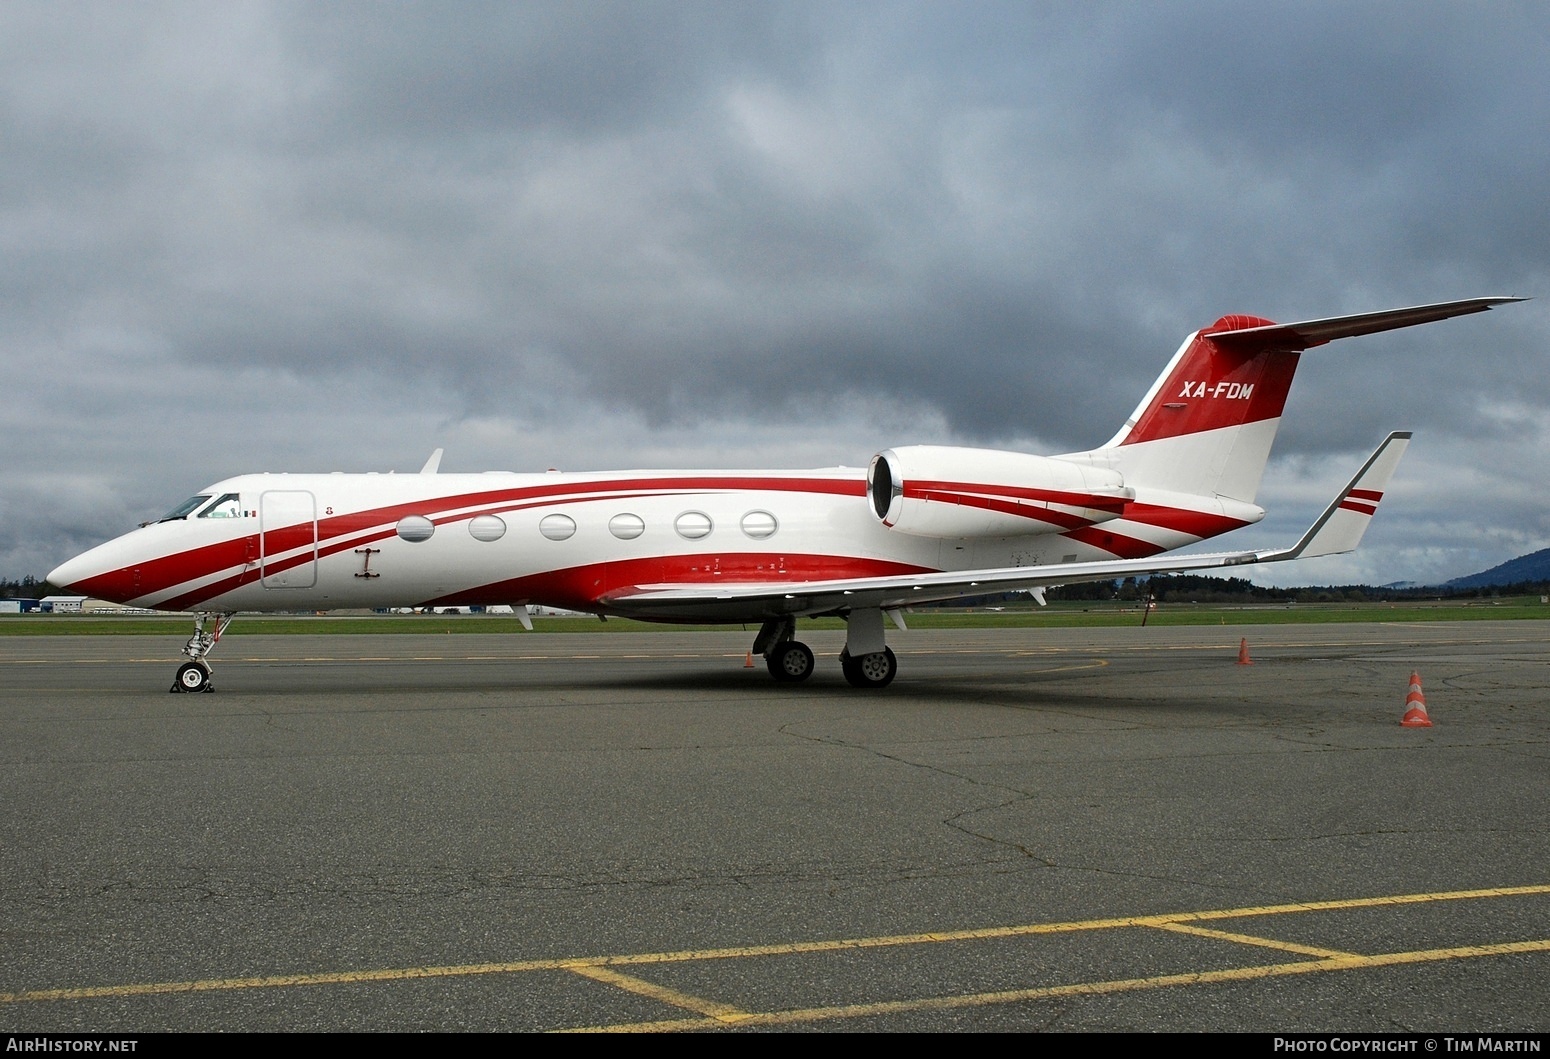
{"x":1117,"y":544}
{"x":1031,"y":512}
{"x":962,"y":492}
{"x":581,"y":587}
{"x":357,"y":528}
{"x":1198,"y":524}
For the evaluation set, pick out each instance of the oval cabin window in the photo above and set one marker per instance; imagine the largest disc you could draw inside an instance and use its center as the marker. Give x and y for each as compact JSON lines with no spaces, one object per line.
{"x":626,"y":527}
{"x":487,"y":528}
{"x":557,"y":527}
{"x":416,"y":528}
{"x":760,"y":525}
{"x":693,"y":525}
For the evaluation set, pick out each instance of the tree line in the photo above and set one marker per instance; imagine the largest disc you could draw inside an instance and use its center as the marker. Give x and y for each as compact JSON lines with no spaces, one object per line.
{"x":1197,"y":588}
{"x":27,"y":588}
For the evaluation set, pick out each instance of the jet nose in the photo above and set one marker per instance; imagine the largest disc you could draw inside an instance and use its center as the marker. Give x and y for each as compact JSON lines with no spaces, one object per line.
{"x":67,"y":573}
{"x":101,"y":573}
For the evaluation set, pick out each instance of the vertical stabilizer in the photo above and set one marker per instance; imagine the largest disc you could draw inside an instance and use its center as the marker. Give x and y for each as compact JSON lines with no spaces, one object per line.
{"x":1206,"y":426}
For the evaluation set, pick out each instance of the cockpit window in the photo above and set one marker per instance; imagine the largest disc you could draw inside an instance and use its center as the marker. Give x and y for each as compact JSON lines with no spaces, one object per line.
{"x":228,"y":506}
{"x":185,"y":509}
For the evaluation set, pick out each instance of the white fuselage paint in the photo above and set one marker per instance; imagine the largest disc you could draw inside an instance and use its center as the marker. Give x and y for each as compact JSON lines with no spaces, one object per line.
{"x":763,"y":527}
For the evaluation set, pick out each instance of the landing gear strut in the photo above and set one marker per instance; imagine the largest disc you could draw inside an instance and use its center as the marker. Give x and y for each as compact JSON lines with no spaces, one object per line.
{"x":789,"y":660}
{"x":194,"y":675}
{"x":866,"y":661}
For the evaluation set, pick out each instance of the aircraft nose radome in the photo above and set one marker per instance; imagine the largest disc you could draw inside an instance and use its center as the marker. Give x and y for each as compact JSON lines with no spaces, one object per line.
{"x":71,"y":571}
{"x":94,"y":573}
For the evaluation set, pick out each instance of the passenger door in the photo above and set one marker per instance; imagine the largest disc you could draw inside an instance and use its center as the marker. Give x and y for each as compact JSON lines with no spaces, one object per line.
{"x":287,"y":539}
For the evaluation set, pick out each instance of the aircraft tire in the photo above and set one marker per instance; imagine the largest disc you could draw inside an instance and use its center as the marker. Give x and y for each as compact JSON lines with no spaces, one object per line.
{"x":192,"y":677}
{"x":870,"y":671}
{"x":790,"y":662}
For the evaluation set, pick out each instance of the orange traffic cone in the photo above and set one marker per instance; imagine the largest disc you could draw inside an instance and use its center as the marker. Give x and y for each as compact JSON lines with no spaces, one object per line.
{"x":748,"y":662}
{"x":1415,"y":706}
{"x":1243,"y":652}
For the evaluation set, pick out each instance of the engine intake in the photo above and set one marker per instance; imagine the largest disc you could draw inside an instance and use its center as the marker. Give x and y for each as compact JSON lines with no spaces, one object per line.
{"x":945,"y":491}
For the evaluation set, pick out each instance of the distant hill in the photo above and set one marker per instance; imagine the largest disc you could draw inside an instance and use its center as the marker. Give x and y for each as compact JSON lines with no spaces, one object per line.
{"x":1534,"y":566}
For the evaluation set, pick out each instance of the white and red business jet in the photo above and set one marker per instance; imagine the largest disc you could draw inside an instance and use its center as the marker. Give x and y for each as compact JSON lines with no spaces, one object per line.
{"x":920,"y":524}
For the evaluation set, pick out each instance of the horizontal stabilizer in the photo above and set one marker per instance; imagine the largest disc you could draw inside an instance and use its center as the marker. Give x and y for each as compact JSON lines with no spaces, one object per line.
{"x":1317,"y":332}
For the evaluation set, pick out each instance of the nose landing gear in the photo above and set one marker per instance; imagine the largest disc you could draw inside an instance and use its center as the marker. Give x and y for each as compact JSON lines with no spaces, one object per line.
{"x":194,"y":675}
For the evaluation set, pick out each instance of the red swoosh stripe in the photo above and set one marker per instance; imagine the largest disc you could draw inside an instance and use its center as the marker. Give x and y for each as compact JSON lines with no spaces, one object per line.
{"x":950,"y":490}
{"x":580,"y":587}
{"x":355,"y":529}
{"x":1198,"y":524}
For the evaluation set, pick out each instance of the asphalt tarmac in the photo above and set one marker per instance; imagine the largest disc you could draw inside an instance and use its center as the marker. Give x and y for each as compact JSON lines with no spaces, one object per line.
{"x":1118,"y":829}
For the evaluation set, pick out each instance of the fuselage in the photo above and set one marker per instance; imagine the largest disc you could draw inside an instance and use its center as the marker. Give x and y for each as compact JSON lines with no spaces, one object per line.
{"x":920,"y":524}
{"x":286,"y":542}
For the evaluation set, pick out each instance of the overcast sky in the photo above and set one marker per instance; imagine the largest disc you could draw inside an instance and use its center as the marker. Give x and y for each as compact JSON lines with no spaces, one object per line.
{"x":332,"y":236}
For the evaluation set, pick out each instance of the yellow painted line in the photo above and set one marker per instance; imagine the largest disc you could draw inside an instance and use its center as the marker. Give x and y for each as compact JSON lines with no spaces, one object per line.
{"x":723,"y":1014}
{"x":1098,"y":663}
{"x":1125,"y":985}
{"x":396,"y":974}
{"x":1075,"y":926}
{"x":1359,"y":902}
{"x":1250,"y":939}
{"x":1163,"y":921}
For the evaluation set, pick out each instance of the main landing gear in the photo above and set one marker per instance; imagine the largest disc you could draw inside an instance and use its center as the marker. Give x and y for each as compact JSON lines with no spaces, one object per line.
{"x":875,"y":670}
{"x":866,"y":661}
{"x":194,"y":675}
{"x":790,"y":661}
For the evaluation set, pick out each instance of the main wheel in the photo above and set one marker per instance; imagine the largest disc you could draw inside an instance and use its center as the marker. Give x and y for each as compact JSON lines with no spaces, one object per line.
{"x":192,"y":677}
{"x":875,"y":670}
{"x":791,"y":661}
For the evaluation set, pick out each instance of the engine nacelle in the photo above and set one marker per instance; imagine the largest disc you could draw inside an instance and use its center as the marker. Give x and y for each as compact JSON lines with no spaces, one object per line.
{"x":944,"y":491}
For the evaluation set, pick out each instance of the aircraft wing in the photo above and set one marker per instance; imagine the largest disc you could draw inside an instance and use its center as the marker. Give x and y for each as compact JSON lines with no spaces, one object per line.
{"x":1339,"y":529}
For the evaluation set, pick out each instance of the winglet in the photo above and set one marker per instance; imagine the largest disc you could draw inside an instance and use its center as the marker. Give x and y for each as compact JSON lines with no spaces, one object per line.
{"x":433,"y":464}
{"x":1340,"y":527}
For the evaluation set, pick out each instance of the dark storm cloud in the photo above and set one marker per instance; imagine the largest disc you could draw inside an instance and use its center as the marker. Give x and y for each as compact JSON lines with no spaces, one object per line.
{"x":338,"y":235}
{"x":440,"y":72}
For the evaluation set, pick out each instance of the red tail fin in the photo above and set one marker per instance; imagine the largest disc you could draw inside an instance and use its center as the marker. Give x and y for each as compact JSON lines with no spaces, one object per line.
{"x":1206,"y":426}
{"x":1215,"y":384}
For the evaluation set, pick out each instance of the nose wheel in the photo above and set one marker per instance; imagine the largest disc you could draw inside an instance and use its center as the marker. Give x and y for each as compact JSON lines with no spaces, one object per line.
{"x":192,"y":677}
